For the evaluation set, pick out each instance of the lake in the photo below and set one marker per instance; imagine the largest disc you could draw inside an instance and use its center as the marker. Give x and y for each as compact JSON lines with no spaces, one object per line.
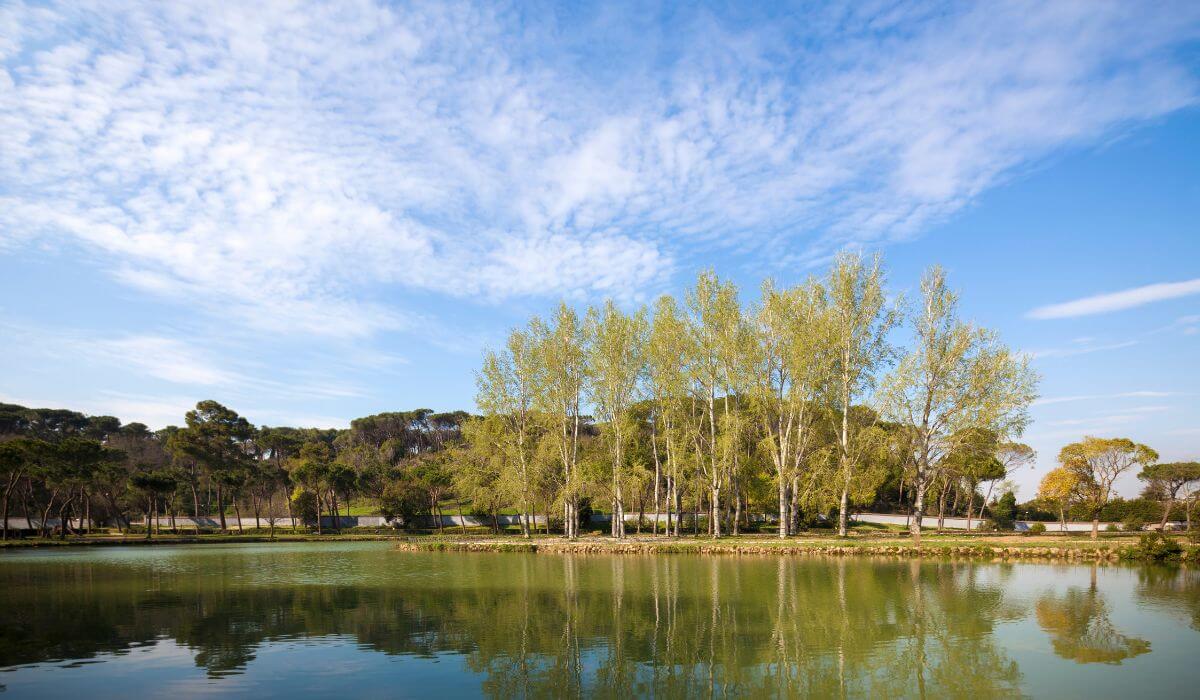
{"x":361,"y":620}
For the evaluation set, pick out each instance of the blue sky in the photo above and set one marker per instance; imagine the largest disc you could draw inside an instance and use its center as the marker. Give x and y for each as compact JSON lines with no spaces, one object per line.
{"x":317,"y":211}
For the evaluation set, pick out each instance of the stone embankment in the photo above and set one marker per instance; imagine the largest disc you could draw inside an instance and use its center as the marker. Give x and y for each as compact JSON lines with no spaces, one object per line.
{"x":1083,"y":553}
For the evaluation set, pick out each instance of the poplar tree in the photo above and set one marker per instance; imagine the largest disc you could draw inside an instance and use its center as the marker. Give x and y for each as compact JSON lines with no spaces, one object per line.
{"x":561,"y":376}
{"x":791,"y":376}
{"x":957,"y":377}
{"x":714,"y":310}
{"x":859,"y":326}
{"x":615,"y":354}
{"x":666,"y":357}
{"x":506,"y":390}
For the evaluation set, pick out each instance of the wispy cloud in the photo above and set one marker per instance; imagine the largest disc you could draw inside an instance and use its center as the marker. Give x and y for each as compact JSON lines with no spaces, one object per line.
{"x":1081,"y":346}
{"x":1117,"y":301}
{"x":1098,"y":397}
{"x":282,"y":166}
{"x":167,"y":359}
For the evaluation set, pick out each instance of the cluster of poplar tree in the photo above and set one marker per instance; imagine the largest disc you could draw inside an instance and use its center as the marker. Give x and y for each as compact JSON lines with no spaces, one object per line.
{"x":708,"y":404}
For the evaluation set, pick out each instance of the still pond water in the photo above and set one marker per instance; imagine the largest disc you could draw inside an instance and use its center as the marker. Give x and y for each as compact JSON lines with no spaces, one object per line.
{"x":360,"y":620}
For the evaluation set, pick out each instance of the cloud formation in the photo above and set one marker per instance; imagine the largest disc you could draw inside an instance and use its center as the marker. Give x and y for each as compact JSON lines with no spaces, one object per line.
{"x":1119,"y":301}
{"x":286,"y":166}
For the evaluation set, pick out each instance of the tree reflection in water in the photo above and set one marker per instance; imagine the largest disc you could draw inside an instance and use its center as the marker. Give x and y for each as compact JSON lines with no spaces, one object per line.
{"x":1080,"y":629}
{"x":579,"y":625}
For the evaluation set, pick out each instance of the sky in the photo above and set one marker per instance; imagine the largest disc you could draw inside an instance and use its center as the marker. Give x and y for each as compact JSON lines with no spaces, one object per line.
{"x":315,"y":211}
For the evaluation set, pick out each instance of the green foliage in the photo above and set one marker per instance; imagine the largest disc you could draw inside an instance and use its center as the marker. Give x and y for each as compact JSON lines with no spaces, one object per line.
{"x":1155,"y":546}
{"x":1037,"y":529}
{"x":404,"y":502}
{"x":304,"y":506}
{"x":1004,"y":511}
{"x":1133,"y":522}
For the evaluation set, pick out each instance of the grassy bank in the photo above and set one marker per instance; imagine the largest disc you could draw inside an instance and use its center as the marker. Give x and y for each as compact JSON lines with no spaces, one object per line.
{"x":167,"y":539}
{"x":1002,"y":547}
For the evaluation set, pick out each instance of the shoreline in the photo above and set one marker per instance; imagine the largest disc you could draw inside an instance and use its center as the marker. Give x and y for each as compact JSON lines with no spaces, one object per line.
{"x":167,"y":540}
{"x":1000,"y":548}
{"x":1072,"y":549}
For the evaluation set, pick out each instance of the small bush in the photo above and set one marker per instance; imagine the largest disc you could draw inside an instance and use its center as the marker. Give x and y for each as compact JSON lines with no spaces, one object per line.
{"x":1133,"y":522}
{"x":1037,"y":529}
{"x":1112,"y":527}
{"x":1155,"y":546}
{"x":987,"y":526}
{"x":1193,"y":536}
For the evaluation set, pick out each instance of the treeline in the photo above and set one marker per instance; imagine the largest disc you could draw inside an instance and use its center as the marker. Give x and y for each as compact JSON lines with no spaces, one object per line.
{"x":702,"y":414}
{"x":66,"y":470}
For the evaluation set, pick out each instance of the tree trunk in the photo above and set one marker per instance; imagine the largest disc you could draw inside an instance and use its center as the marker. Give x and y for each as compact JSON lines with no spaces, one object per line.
{"x":843,"y":511}
{"x":45,"y":527}
{"x":678,"y":505}
{"x":318,"y":495}
{"x":716,"y":512}
{"x":918,"y":511}
{"x":221,"y":506}
{"x":737,"y":508}
{"x":1162,"y":526}
{"x":970,"y":506}
{"x":12,"y":482}
{"x":942,"y":506}
{"x":657,"y":476}
{"x":1095,"y":527}
{"x":783,"y":507}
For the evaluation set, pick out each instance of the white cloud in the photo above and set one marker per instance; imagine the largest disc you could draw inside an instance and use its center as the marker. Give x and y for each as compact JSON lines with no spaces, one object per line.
{"x":1117,"y":301}
{"x":1082,"y":346}
{"x":1099,"y":397}
{"x":283,"y":167}
{"x":167,"y":359}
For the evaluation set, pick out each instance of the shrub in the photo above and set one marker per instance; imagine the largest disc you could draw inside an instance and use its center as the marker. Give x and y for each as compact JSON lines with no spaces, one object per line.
{"x":304,"y":506}
{"x":1133,"y":522}
{"x":1112,"y":527}
{"x":403,"y":501}
{"x":986,"y":526}
{"x":1004,"y":511}
{"x":1155,"y":546}
{"x":1037,"y":529}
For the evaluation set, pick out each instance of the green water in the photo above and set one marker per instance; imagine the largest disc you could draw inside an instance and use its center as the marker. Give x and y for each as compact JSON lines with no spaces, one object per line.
{"x":360,"y":620}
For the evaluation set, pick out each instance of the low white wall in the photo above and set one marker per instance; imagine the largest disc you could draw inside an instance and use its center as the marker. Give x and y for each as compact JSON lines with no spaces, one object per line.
{"x":455,"y":520}
{"x":36,"y":523}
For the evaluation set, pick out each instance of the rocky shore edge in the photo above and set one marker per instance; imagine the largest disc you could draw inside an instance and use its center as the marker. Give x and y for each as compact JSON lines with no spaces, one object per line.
{"x":1098,"y":553}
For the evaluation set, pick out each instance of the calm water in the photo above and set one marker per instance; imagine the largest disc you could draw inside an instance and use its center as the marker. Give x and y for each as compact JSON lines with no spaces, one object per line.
{"x":359,"y":620}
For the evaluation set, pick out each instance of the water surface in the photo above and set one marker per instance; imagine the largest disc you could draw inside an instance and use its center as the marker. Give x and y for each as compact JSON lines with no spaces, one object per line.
{"x":361,"y":620}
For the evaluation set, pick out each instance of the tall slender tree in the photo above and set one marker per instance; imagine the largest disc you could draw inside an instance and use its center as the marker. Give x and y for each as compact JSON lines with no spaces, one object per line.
{"x":562,"y":375}
{"x":666,"y":357}
{"x":507,"y":385}
{"x":957,"y":376}
{"x":792,"y":372}
{"x":615,"y":345}
{"x":715,"y":316}
{"x":859,"y":325}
